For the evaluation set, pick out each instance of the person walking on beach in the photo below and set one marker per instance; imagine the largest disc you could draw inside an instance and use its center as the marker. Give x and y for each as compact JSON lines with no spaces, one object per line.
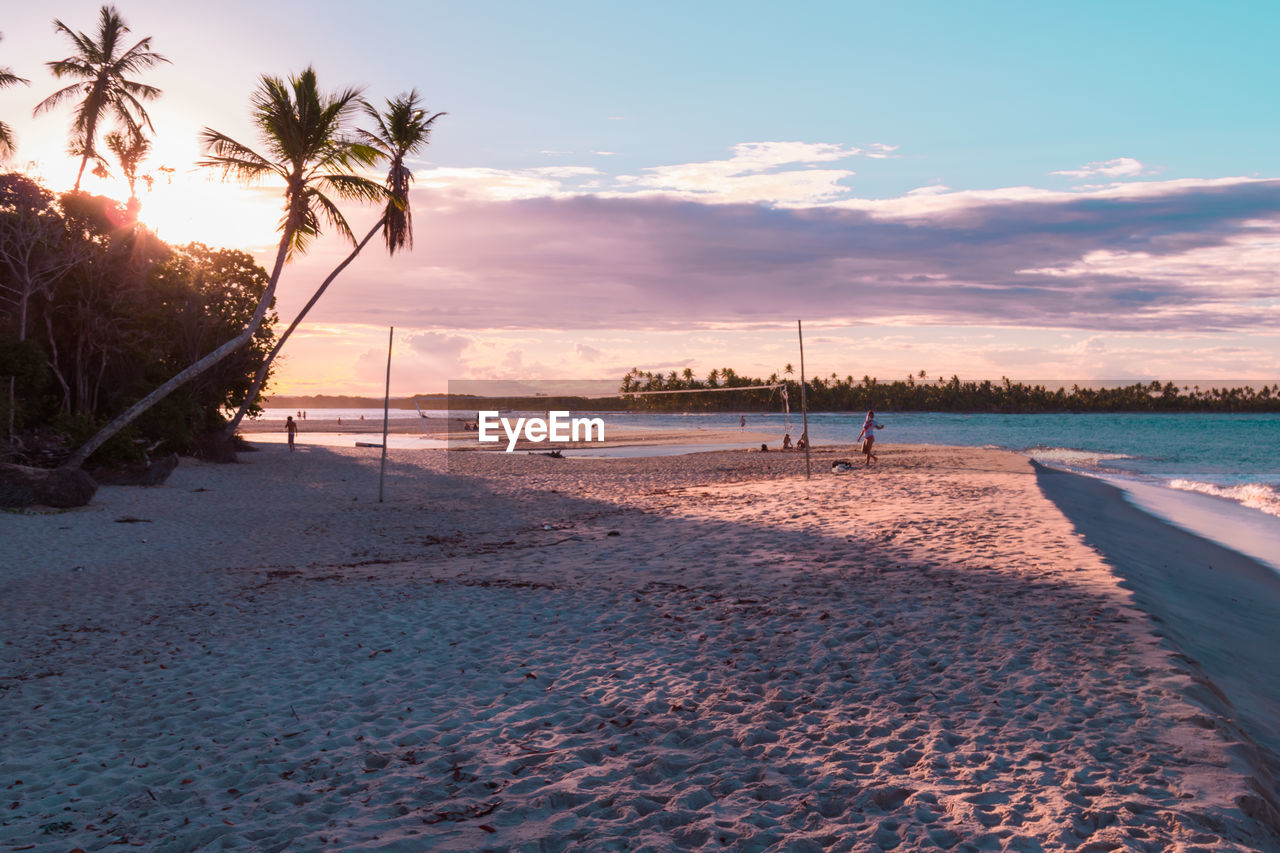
{"x":868,"y":436}
{"x":742,"y":422}
{"x":291,"y":427}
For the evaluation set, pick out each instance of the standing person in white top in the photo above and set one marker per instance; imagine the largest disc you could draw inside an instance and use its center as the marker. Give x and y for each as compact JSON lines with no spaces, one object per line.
{"x":868,"y":436}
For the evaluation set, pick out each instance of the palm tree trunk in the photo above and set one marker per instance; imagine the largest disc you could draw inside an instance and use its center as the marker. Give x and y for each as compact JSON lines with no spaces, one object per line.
{"x":261,"y":377}
{"x":127,"y":417}
{"x":80,"y":174}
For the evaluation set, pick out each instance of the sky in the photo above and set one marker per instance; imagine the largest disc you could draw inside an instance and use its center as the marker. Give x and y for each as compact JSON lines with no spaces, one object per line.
{"x":1046,"y":190}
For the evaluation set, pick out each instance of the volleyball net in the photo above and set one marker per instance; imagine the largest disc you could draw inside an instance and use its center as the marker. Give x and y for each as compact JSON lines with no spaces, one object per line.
{"x":466,"y":399}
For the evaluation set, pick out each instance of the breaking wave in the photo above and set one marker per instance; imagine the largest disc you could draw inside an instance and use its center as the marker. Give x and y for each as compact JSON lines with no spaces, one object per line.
{"x":1071,"y":456}
{"x":1257,"y":495}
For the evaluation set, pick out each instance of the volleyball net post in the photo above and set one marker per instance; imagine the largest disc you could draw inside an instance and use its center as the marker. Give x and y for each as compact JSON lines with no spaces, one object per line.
{"x":804,"y":408}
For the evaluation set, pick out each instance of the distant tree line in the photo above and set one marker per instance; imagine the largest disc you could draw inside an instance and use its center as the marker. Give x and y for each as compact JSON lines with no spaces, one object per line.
{"x":920,"y":394}
{"x":95,"y":311}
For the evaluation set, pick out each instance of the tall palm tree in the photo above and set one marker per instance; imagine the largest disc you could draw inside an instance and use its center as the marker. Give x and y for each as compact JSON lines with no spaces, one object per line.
{"x":8,"y":143}
{"x":402,"y":130}
{"x":99,"y":66}
{"x":304,"y":132}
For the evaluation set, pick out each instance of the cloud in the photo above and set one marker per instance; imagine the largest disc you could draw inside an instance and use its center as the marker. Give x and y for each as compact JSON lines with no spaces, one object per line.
{"x":757,"y":173}
{"x":1120,"y":167}
{"x":439,"y":345}
{"x":777,"y":173}
{"x":1158,"y":256}
{"x":500,"y":184}
{"x":588,"y":353}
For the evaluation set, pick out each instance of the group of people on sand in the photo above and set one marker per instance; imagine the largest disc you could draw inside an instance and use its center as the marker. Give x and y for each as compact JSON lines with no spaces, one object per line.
{"x":867,"y":438}
{"x":799,"y":445}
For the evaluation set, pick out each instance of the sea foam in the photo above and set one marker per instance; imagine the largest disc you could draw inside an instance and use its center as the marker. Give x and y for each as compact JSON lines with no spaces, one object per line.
{"x":1257,"y":495}
{"x":1072,"y":456}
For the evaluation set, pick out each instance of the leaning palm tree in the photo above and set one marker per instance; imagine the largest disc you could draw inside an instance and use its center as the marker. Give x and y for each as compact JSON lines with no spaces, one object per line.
{"x":306,"y":148}
{"x":99,"y":66}
{"x":402,"y":130}
{"x":8,"y":143}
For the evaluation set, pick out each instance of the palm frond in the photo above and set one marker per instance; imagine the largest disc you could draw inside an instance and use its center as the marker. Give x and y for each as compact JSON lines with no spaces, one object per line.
{"x":346,"y":156}
{"x":8,"y":143}
{"x":8,"y":78}
{"x":305,"y":231}
{"x":332,"y":214}
{"x":140,"y":90}
{"x":352,"y":187}
{"x":70,"y":67}
{"x":234,"y":158}
{"x":139,"y":57}
{"x":131,"y":112}
{"x":57,"y":98}
{"x":83,"y":43}
{"x":397,"y":225}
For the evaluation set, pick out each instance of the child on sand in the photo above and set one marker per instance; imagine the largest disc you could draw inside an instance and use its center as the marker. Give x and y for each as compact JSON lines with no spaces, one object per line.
{"x":868,"y":436}
{"x":291,"y":427}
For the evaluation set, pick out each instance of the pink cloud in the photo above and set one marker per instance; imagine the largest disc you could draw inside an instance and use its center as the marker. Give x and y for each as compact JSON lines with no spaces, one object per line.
{"x":1157,"y":256}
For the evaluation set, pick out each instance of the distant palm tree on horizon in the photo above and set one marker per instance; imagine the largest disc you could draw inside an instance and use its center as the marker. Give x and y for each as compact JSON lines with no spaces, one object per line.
{"x":305,"y":136}
{"x":8,"y":143}
{"x":100,"y":67}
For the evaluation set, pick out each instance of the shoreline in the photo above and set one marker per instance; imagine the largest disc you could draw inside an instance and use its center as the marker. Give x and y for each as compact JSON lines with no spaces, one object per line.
{"x":1218,"y":607}
{"x":513,"y":651}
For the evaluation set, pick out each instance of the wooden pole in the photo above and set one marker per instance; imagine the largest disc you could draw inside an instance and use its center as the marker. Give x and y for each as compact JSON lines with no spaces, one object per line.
{"x":386,"y":409}
{"x":804,"y":409}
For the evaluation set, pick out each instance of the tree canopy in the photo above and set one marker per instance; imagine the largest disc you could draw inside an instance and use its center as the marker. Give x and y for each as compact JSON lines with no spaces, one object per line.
{"x":111,"y":312}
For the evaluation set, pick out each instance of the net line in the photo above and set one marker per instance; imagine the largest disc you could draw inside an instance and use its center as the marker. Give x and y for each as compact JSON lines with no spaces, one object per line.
{"x":774,"y":386}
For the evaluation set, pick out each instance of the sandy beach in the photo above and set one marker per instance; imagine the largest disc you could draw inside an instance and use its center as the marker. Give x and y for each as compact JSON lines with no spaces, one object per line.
{"x":700,"y":652}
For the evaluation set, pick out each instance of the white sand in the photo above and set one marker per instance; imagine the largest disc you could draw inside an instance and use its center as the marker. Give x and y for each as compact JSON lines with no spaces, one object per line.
{"x":919,"y":656}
